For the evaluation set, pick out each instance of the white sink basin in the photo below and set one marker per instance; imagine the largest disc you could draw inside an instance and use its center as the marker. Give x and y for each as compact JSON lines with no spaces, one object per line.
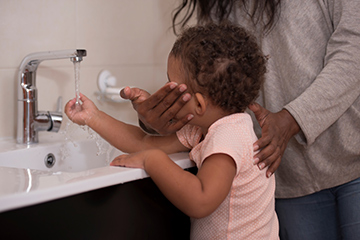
{"x":79,"y":166}
{"x":58,"y":156}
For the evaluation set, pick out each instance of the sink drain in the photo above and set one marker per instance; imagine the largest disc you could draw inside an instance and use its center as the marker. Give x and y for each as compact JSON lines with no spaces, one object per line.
{"x":50,"y":160}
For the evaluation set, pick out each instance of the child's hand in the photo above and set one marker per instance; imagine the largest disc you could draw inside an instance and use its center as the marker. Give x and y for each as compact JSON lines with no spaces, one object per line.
{"x":134,"y":160}
{"x":80,"y":114}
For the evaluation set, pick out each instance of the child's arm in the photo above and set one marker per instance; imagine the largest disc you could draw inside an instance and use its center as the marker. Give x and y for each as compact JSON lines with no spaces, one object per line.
{"x":197,"y":196}
{"x":126,"y":137}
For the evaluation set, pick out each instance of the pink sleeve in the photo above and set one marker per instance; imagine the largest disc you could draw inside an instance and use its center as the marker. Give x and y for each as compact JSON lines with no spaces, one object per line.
{"x":189,"y":136}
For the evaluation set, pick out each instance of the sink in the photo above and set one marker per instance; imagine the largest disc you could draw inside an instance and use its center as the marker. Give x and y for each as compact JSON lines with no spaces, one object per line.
{"x":58,"y":155}
{"x":62,"y":166}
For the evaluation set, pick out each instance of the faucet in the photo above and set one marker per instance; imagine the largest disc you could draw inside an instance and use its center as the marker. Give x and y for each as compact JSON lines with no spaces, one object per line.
{"x":30,"y":120}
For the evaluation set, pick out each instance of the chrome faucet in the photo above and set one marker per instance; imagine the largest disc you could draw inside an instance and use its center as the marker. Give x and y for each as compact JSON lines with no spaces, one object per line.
{"x":30,"y":120}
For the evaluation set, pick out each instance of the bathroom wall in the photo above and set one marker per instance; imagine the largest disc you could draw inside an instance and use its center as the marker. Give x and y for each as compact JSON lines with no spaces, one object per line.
{"x":130,"y":38}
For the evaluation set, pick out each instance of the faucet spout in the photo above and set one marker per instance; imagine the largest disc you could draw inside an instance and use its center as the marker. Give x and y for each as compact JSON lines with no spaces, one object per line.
{"x":30,"y":120}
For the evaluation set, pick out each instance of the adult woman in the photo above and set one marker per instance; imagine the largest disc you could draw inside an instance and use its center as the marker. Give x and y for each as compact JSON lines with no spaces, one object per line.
{"x":311,"y":92}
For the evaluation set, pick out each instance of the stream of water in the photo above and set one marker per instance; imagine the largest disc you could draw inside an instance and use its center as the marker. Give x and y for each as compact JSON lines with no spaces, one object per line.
{"x":70,"y":130}
{"x":77,"y":81}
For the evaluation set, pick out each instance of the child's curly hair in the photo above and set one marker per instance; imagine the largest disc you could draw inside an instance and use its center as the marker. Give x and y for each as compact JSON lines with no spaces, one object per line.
{"x":223,"y":62}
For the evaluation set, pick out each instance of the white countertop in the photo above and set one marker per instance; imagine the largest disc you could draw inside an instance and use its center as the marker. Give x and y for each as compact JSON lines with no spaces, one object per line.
{"x":20,"y":187}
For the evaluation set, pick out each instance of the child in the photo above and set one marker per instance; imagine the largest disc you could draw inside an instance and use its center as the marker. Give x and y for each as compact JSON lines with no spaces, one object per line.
{"x":229,"y":198}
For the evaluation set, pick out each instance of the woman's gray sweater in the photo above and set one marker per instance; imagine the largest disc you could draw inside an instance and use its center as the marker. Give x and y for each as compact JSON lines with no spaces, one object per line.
{"x":314,"y":73}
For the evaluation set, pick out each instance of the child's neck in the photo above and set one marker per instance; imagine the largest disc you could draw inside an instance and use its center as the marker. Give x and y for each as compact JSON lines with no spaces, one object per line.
{"x":211,"y":115}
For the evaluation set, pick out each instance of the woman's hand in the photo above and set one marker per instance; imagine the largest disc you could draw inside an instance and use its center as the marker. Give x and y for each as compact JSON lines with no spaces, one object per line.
{"x":80,"y":113}
{"x":158,"y":110}
{"x":277,"y":130}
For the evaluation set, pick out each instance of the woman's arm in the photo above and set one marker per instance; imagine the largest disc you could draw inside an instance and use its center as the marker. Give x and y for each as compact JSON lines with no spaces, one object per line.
{"x":325,"y":100}
{"x":197,"y":196}
{"x":337,"y":86}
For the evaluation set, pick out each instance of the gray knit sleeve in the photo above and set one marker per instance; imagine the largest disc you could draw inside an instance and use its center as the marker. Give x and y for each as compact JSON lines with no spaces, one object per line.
{"x":337,"y":87}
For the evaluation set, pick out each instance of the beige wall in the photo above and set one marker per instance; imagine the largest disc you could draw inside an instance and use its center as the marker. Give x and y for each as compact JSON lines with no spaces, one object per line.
{"x":131,"y":38}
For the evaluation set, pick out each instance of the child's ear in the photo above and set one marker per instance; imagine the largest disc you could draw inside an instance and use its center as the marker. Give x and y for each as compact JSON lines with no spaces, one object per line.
{"x":200,"y":104}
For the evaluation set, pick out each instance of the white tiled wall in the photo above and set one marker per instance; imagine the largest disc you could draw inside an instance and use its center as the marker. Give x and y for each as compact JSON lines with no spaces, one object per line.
{"x":131,"y":38}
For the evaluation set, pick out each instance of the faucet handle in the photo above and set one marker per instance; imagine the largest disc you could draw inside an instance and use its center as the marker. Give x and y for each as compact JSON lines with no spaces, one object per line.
{"x":59,"y":104}
{"x":56,"y":117}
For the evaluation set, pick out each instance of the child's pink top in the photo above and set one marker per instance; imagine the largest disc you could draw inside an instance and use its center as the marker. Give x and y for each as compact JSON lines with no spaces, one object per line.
{"x":248,"y":212}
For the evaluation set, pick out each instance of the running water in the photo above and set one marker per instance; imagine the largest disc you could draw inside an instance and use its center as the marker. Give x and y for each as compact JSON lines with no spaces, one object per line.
{"x":77,"y":81}
{"x":70,"y":131}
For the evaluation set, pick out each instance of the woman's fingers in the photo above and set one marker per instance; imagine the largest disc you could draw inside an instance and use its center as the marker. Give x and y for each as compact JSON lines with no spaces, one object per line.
{"x":259,"y":112}
{"x":277,"y":130}
{"x":165,"y":98}
{"x":160,"y":108}
{"x":135,"y":95}
{"x":270,"y":142}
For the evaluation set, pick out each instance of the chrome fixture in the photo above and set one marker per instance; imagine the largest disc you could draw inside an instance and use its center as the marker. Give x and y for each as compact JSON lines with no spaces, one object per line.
{"x":30,"y":120}
{"x":49,"y":160}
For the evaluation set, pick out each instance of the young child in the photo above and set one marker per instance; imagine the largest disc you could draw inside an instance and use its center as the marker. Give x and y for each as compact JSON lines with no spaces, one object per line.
{"x":229,"y":198}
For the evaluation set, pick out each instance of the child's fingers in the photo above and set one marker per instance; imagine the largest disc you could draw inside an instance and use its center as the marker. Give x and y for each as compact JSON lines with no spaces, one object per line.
{"x":83,"y":97}
{"x":129,"y":161}
{"x":68,"y":106}
{"x":119,"y":161}
{"x":70,"y":102}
